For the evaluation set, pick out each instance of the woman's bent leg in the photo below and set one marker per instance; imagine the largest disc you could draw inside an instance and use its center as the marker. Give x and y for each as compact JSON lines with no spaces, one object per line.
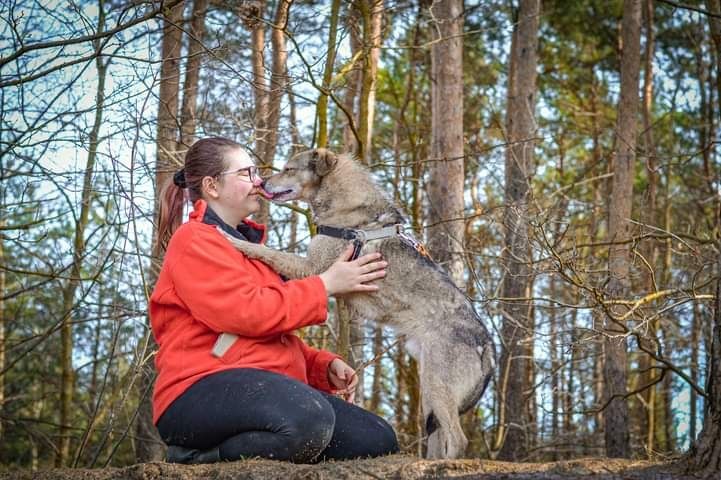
{"x":250,"y":413}
{"x":358,"y":433}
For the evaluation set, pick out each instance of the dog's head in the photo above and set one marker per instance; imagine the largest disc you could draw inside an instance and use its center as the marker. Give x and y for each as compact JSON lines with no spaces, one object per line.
{"x":301,"y":176}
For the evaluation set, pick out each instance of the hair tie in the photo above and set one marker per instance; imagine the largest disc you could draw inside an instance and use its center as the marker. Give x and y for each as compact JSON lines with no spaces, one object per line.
{"x":179,"y":178}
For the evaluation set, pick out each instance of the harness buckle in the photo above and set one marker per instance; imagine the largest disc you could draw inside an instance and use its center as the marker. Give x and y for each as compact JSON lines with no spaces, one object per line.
{"x":360,"y":236}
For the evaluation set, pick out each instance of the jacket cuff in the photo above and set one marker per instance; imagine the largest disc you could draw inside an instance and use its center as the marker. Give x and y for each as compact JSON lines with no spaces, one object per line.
{"x":318,"y":378}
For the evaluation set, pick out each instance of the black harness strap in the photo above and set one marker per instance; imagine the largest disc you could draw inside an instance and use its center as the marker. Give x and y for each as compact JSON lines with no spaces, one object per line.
{"x":336,"y":232}
{"x":345,"y":234}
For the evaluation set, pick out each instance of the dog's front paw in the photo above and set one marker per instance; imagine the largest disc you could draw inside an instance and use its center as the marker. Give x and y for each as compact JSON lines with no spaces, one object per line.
{"x":248,"y":248}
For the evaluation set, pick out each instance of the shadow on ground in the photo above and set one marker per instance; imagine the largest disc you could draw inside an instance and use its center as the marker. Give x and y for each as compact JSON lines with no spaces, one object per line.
{"x":396,"y":467}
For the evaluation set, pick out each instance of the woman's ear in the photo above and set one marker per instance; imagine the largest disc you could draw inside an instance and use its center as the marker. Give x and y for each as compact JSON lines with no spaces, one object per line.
{"x":209,"y":187}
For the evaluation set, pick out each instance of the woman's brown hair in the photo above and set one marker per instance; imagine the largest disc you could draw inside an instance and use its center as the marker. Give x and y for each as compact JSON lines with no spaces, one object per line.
{"x":206,"y":158}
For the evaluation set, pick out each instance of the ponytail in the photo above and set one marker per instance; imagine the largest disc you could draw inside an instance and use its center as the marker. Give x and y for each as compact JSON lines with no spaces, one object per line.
{"x":170,"y":212}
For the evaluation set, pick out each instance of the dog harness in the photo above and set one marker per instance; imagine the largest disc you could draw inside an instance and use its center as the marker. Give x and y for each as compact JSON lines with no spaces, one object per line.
{"x":361,"y":237}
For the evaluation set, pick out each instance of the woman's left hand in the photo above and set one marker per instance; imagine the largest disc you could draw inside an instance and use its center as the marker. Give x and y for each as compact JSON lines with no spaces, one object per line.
{"x":343,"y":378}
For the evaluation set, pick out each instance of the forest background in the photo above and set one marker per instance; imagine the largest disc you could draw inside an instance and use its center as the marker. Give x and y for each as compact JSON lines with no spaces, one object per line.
{"x":559,"y":159}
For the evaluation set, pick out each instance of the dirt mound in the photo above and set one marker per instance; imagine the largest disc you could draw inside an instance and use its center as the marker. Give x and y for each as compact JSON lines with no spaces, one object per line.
{"x":395,"y":467}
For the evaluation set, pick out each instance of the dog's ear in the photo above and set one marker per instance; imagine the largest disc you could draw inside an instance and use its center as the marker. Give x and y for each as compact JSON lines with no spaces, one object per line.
{"x":324,"y":161}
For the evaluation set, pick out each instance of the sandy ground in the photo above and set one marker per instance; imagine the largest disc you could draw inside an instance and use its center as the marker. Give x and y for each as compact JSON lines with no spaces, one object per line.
{"x":396,"y":467}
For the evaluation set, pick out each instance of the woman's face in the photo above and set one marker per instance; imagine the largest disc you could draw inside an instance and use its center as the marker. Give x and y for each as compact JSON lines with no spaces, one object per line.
{"x":235,"y":194}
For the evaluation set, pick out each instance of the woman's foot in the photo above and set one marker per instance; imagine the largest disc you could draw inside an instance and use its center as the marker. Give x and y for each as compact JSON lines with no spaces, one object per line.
{"x":191,"y":456}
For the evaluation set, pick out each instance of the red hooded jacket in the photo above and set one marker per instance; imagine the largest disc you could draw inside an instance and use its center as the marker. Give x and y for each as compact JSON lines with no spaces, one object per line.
{"x":207,"y":287}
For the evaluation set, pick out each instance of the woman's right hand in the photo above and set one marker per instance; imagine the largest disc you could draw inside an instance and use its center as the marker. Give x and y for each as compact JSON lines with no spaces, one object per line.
{"x":346,"y":276}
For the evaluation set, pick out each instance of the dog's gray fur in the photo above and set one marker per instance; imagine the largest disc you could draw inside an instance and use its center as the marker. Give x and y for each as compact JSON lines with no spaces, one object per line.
{"x":444,"y":334}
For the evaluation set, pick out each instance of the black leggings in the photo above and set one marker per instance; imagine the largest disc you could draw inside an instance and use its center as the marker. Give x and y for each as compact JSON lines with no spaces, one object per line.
{"x":255,"y":413}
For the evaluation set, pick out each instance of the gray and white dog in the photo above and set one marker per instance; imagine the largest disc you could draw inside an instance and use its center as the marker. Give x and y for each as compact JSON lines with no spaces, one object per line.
{"x":444,"y":334}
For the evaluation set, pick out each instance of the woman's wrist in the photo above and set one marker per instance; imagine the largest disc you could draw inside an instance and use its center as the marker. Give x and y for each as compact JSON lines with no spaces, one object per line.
{"x":327,"y":283}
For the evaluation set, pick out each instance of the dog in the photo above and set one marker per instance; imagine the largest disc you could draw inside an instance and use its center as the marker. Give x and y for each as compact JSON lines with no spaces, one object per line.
{"x":454,"y":351}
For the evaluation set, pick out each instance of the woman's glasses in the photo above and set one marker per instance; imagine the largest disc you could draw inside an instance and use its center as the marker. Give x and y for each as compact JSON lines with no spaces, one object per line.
{"x":246,"y":174}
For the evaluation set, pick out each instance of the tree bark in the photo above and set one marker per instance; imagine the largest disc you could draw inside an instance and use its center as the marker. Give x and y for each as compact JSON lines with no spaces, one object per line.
{"x":252,"y":15}
{"x":446,"y":168}
{"x":327,"y":75}
{"x":376,"y":386}
{"x":278,"y":79}
{"x":168,"y":160}
{"x":148,"y":446}
{"x":2,"y":326}
{"x":597,"y":214}
{"x":350,"y":141}
{"x":192,"y":74}
{"x":517,"y":280}
{"x":372,"y":16}
{"x":714,"y":6}
{"x":649,"y":249}
{"x":695,"y":341}
{"x":619,"y":231}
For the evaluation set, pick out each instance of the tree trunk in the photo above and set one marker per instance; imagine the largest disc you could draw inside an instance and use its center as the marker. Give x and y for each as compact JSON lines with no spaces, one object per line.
{"x":252,"y":14}
{"x":168,"y":160}
{"x":66,"y":332}
{"x":192,"y":74}
{"x":619,"y":231}
{"x":2,"y":327}
{"x":327,"y":76}
{"x":148,"y":446}
{"x":569,"y":426}
{"x":695,"y":341}
{"x":597,"y":214}
{"x":649,"y":248}
{"x":351,"y":335}
{"x":664,"y":397}
{"x":350,"y":141}
{"x":714,"y":6}
{"x":517,"y":282}
{"x":704,"y":457}
{"x":278,"y":80}
{"x":446,"y":171}
{"x":372,"y":15}
{"x":375,"y":394}
{"x":554,"y":357}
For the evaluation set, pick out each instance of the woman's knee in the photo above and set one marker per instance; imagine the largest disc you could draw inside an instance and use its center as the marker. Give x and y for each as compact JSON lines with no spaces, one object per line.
{"x":311,"y":432}
{"x":386,"y":440}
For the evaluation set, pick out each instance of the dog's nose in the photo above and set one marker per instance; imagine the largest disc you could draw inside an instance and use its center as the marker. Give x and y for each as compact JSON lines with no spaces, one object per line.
{"x":262,"y":184}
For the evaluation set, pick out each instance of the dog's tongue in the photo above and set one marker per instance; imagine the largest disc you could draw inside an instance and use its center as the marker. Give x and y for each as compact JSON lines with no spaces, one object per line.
{"x":264,"y":194}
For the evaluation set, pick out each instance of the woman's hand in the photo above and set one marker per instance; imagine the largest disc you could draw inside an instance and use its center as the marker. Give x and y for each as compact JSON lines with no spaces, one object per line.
{"x":343,"y":378}
{"x":346,"y":276}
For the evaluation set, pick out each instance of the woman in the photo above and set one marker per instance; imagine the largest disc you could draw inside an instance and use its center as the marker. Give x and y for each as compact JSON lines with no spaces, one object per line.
{"x":269,"y":395}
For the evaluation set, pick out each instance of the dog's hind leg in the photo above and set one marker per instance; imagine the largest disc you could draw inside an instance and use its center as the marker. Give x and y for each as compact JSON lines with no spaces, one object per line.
{"x":443,"y":424}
